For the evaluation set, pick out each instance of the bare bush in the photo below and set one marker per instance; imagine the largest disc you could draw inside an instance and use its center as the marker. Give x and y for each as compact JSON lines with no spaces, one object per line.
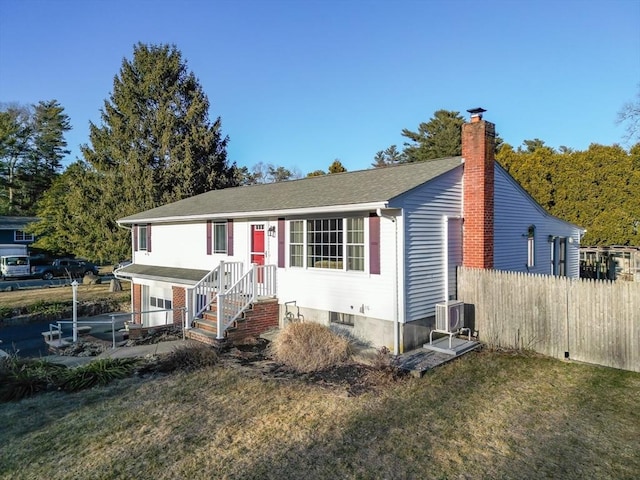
{"x":309,"y":347}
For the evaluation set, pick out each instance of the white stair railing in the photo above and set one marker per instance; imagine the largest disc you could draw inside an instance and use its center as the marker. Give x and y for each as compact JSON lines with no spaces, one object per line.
{"x":259,"y":281}
{"x":203,"y":293}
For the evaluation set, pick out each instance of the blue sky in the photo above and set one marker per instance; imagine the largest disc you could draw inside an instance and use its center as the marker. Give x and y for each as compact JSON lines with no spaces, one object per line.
{"x":301,"y":83}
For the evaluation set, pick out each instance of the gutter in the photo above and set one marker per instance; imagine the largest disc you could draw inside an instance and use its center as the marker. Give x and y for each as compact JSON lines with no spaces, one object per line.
{"x":356,"y":207}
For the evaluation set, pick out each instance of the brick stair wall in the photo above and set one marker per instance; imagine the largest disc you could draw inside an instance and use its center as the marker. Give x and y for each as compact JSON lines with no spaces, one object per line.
{"x":263,"y":316}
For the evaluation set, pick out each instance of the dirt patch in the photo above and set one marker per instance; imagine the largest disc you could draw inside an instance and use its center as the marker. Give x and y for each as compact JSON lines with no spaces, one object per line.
{"x":253,"y":358}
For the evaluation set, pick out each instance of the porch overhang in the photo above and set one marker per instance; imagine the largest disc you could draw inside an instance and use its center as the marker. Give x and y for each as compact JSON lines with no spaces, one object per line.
{"x":185,"y":276}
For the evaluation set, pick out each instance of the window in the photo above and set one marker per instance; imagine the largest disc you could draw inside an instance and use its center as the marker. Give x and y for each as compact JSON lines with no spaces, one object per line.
{"x":160,"y":303}
{"x":341,"y":318}
{"x":220,"y":237}
{"x":20,"y":236}
{"x":324,"y":244}
{"x":296,"y":243}
{"x":355,"y":244}
{"x":142,"y":237}
{"x":531,"y":246}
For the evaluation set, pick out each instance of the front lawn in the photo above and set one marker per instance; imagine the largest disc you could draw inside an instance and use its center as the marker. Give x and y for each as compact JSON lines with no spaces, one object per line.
{"x":485,"y":415}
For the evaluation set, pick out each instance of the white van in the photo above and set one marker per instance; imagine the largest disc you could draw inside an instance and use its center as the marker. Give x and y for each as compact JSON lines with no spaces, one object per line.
{"x":13,"y":266}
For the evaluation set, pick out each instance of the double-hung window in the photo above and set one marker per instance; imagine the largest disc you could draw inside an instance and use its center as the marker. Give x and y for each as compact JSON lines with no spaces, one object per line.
{"x":296,"y":243}
{"x":217,"y":235}
{"x":220,"y":237}
{"x":142,"y":237}
{"x":20,"y":236}
{"x":355,"y":244}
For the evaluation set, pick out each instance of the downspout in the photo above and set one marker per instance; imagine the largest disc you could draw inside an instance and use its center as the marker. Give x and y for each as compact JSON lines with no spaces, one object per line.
{"x":445,"y":253}
{"x":396,"y":295}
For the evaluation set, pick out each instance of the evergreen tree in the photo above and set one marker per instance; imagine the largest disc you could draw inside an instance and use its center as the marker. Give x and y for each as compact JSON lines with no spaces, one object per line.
{"x":390,"y":156}
{"x":155,"y":145}
{"x":15,"y":148}
{"x":440,"y":137}
{"x":32,"y":146}
{"x":48,"y":147}
{"x":337,"y":167}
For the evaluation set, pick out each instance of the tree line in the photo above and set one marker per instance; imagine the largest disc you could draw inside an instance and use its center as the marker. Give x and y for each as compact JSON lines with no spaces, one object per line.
{"x":156,"y":144}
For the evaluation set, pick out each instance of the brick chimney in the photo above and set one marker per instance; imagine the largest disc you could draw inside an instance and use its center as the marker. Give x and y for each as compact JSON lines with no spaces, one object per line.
{"x":478,"y":152}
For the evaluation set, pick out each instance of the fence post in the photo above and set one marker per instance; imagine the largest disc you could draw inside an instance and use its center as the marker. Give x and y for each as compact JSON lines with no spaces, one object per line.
{"x":74,"y":287}
{"x":113,"y":331}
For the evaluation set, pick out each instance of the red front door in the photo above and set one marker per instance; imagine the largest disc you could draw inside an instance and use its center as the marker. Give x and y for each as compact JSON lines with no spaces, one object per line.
{"x":257,"y":247}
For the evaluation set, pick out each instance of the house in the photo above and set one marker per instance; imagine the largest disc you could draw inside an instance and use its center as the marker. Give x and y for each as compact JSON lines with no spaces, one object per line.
{"x":372,"y":251}
{"x":12,"y":230}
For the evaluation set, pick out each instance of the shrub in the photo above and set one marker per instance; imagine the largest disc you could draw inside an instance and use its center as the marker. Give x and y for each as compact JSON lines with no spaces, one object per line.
{"x":309,"y":347}
{"x":187,"y":358}
{"x":98,"y":372}
{"x":20,"y":378}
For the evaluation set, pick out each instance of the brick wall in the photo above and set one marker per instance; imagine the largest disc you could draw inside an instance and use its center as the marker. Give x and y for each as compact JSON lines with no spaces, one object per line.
{"x":179,"y":301}
{"x":264,"y":316}
{"x":137,"y":302}
{"x":478,"y":151}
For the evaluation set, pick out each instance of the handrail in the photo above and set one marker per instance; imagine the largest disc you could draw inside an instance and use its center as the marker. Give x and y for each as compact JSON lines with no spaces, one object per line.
{"x":259,"y":281}
{"x":112,"y":322}
{"x":203,"y":292}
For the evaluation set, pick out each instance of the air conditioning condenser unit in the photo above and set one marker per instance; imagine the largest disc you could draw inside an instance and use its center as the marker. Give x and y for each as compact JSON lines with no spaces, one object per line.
{"x":450,"y":316}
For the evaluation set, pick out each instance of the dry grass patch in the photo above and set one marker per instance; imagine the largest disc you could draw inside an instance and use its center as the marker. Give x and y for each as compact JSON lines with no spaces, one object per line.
{"x":486,"y":415}
{"x":309,"y":347}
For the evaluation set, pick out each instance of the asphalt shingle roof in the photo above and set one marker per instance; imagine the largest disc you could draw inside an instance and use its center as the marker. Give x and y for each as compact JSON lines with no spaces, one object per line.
{"x":349,"y":188}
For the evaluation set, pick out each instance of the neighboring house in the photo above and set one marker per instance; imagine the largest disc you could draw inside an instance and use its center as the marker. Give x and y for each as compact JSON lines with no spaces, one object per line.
{"x":12,"y":230}
{"x":373,"y":251}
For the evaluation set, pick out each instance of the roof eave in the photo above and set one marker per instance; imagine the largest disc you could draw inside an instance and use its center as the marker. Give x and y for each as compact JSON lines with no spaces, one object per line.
{"x":330,"y":209}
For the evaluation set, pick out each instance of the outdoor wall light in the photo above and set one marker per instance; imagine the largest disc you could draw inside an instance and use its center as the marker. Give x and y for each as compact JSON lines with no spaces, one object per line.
{"x":272,"y":231}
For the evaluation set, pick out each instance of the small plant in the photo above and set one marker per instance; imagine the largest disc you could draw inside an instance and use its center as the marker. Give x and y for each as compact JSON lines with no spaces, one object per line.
{"x":98,"y":372}
{"x":5,"y":312}
{"x":43,"y":307}
{"x":310,"y":347}
{"x":20,"y":378}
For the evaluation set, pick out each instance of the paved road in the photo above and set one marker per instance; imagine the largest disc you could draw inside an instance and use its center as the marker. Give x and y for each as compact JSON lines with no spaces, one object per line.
{"x":26,"y":340}
{"x":37,"y":282}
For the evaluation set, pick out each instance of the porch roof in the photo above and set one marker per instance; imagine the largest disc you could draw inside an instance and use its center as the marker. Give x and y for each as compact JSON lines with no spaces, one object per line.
{"x":167,"y":274}
{"x":340,"y":191}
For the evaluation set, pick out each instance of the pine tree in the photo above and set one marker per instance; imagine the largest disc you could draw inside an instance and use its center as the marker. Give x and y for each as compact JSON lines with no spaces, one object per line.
{"x":155,"y":145}
{"x":440,"y":137}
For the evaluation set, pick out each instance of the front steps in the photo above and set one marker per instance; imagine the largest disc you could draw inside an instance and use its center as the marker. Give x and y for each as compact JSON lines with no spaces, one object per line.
{"x":261,"y":316}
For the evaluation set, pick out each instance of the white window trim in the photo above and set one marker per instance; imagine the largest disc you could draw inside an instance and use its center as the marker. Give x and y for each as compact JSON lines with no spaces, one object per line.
{"x":345,"y":245}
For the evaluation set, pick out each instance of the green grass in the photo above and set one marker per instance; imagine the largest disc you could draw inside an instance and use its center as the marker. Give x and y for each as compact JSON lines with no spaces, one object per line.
{"x":486,"y":415}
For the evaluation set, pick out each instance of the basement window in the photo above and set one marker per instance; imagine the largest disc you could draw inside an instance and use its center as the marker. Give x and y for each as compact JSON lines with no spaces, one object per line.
{"x":342,"y":318}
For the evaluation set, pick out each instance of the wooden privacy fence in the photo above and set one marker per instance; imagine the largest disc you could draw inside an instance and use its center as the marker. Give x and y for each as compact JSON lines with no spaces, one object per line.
{"x":586,"y":320}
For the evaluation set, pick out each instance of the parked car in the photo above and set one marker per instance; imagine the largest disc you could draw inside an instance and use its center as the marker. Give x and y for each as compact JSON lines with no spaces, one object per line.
{"x":64,"y":267}
{"x":121,"y":264}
